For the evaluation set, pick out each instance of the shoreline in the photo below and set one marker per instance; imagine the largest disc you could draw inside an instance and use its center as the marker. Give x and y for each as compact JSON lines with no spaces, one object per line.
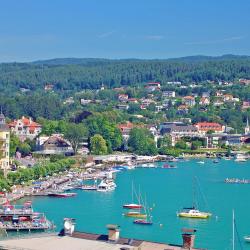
{"x":28,"y":190}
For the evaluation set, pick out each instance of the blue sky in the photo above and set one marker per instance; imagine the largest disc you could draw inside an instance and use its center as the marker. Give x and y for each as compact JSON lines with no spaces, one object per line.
{"x":31,"y":30}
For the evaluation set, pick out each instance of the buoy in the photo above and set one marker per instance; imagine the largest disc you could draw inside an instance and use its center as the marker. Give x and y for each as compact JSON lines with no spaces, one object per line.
{"x":161,"y":225}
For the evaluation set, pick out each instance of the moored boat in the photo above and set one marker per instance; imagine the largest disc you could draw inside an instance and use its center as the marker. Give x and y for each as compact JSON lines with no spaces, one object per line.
{"x":240,"y":158}
{"x":143,"y":222}
{"x":136,"y":214}
{"x":169,"y":166}
{"x":61,"y":195}
{"x":89,"y":187}
{"x":106,"y":185}
{"x":132,"y":206}
{"x":247,"y":238}
{"x":193,"y":213}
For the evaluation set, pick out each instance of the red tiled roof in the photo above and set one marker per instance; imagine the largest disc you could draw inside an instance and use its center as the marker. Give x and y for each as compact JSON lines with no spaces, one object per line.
{"x":27,"y":123}
{"x":189,"y":97}
{"x":205,"y":126}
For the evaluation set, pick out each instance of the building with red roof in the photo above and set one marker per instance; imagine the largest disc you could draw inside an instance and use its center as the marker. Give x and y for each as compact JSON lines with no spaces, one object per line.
{"x":152,"y":86}
{"x":189,"y":100}
{"x":25,"y":128}
{"x":204,"y":127}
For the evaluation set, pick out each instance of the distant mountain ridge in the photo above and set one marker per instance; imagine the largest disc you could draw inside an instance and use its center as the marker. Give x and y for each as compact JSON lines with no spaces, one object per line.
{"x":76,"y":74}
{"x":95,"y":61}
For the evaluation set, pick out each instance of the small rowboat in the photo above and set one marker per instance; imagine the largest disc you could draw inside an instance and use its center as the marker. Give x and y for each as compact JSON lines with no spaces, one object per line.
{"x":132,"y":206}
{"x":143,"y":222}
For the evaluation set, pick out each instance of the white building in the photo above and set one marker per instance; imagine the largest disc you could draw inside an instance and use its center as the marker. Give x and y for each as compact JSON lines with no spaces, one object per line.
{"x":25,"y":128}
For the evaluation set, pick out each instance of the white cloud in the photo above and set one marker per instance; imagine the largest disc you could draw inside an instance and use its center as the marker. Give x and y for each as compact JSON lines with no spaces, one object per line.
{"x":106,"y":34}
{"x":154,"y":37}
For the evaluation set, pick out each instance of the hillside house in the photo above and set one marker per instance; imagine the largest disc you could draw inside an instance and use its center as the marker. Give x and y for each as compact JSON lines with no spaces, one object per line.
{"x":204,"y":101}
{"x":153,"y":86}
{"x":189,"y":101}
{"x":53,"y":145}
{"x":123,"y":97}
{"x":204,"y":127}
{"x":25,"y":128}
{"x":168,"y":94}
{"x":245,"y":105}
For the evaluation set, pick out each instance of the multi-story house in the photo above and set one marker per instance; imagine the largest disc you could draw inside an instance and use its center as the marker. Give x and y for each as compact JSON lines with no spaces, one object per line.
{"x":204,"y":127}
{"x":204,"y":101}
{"x":4,"y":144}
{"x":152,"y":86}
{"x":189,"y":101}
{"x":123,"y":97}
{"x":25,"y":128}
{"x":168,"y":94}
{"x":245,"y":105}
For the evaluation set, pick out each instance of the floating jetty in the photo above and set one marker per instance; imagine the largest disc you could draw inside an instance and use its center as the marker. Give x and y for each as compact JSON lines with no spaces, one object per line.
{"x":23,"y":218}
{"x":237,"y":181}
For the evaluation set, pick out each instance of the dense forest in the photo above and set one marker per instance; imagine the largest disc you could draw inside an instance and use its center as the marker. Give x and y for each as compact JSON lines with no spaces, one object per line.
{"x":79,"y":74}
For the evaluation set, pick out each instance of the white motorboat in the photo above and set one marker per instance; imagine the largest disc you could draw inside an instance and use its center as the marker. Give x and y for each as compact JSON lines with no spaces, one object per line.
{"x":151,"y":165}
{"x":201,"y":162}
{"x":193,"y":213}
{"x":106,"y":185}
{"x":247,"y":238}
{"x":240,"y":158}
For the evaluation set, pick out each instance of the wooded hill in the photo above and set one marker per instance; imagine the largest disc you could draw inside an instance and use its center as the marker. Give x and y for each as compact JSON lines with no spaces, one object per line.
{"x":78,"y":74}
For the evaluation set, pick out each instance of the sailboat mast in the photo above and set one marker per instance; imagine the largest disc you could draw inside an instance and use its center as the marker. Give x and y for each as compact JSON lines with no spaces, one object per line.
{"x":194,"y":193}
{"x":132,"y":192}
{"x":233,"y":230}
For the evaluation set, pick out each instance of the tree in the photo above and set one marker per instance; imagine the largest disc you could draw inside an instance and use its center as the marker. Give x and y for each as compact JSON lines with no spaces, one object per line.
{"x":75,"y":133}
{"x":100,"y":124}
{"x":141,"y":142}
{"x":209,"y":132}
{"x":196,"y":144}
{"x":98,"y":145}
{"x":24,"y":148}
{"x":164,"y":141}
{"x":181,"y":144}
{"x":14,"y":143}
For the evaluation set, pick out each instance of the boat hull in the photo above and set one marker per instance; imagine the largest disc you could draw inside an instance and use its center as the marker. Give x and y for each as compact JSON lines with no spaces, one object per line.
{"x":247,"y":239}
{"x":64,"y":195}
{"x":134,"y":215}
{"x":132,"y":206}
{"x":143,"y":222}
{"x":194,"y":216}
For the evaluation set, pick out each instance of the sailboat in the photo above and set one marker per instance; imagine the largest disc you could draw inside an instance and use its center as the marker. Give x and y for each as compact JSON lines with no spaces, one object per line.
{"x":138,"y":207}
{"x":235,"y":234}
{"x":148,"y":220}
{"x":133,"y":205}
{"x":193,"y":212}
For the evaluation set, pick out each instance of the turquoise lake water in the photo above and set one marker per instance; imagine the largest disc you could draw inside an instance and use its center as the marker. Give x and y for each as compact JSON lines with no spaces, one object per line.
{"x":167,"y":191}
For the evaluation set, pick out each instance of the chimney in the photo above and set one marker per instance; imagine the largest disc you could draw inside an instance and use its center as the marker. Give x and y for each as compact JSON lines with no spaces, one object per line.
{"x":113,"y":232}
{"x":188,"y":238}
{"x":69,"y":226}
